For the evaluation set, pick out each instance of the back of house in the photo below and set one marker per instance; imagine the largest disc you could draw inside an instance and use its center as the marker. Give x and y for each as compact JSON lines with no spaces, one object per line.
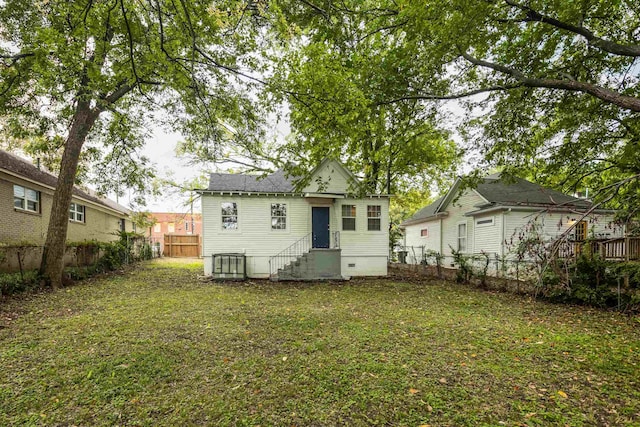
{"x":324,"y":230}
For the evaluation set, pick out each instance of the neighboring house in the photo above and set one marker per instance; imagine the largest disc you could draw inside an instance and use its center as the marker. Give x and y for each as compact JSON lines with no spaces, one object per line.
{"x":27,"y":192}
{"x":492,"y":217}
{"x":320,"y":231}
{"x":174,"y":223}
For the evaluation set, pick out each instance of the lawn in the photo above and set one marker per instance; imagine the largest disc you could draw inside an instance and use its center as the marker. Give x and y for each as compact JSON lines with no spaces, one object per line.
{"x":158,"y":346}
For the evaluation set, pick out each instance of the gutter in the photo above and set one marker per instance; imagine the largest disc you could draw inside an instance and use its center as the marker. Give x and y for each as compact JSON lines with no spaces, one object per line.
{"x":532,"y":208}
{"x":439,"y":215}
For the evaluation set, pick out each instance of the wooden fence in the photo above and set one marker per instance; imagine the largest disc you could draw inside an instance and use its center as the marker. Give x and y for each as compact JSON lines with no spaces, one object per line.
{"x":182,"y":245}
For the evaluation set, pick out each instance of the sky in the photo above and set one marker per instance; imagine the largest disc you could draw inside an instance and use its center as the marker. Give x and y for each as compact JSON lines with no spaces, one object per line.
{"x":160,"y":149}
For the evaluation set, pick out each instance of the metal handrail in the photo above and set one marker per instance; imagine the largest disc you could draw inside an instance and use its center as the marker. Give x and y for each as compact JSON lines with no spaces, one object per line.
{"x":284,"y":257}
{"x":335,"y":240}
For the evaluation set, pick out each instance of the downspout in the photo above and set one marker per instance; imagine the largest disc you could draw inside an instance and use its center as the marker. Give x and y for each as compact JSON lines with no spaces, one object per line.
{"x":440,"y":236}
{"x":503,"y":232}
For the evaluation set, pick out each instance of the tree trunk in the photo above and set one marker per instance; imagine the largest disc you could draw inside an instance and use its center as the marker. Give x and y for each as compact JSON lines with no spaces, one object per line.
{"x":51,"y":267}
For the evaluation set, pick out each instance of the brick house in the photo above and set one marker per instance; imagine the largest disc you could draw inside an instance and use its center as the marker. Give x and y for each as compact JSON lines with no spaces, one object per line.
{"x":174,"y":223}
{"x":27,"y":191}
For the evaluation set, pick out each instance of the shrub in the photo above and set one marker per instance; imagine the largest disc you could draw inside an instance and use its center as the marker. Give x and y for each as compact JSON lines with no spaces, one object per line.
{"x":11,"y":283}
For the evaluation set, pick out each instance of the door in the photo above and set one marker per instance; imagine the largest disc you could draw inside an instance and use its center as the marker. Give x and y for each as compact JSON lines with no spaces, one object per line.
{"x":320,"y":226}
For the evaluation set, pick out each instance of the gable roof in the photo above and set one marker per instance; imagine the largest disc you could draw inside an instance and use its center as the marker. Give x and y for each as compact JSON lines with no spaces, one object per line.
{"x":426,"y":212}
{"x":19,"y":167}
{"x":523,"y":192}
{"x":276,"y":182}
{"x":499,"y":193}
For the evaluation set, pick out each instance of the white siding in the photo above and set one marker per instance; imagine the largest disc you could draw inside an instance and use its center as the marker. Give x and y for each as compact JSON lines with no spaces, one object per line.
{"x":456,"y":210}
{"x":487,"y":237}
{"x":368,"y":250}
{"x":255,"y":238}
{"x":417,"y":244}
{"x":552,"y":225}
{"x":330,"y":177}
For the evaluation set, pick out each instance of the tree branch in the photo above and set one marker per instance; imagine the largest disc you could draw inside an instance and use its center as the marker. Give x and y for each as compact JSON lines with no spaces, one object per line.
{"x":610,"y":96}
{"x":460,"y":95}
{"x":632,"y":50}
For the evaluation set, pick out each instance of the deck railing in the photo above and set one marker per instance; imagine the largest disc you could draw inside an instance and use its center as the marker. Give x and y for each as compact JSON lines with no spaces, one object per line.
{"x":621,"y":248}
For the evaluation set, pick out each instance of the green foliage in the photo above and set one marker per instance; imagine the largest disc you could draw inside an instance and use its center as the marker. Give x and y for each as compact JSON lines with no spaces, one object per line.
{"x":590,"y":280}
{"x":336,"y":83}
{"x":557,"y":94}
{"x":464,"y":272}
{"x":13,"y":283}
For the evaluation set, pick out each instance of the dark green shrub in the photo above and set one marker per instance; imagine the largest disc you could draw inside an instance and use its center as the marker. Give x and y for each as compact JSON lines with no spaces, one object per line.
{"x":12,"y":283}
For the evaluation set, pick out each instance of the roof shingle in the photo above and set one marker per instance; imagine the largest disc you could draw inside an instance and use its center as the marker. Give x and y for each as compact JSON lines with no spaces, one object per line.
{"x":23,"y":168}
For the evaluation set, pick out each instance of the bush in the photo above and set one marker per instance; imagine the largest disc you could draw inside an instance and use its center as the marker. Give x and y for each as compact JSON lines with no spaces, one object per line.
{"x":590,"y":280}
{"x":11,"y":283}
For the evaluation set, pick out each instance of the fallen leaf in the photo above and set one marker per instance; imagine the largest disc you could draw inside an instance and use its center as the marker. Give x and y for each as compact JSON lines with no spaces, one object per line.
{"x":284,"y":359}
{"x":413,"y":390}
{"x":443,"y":380}
{"x":562,"y":394}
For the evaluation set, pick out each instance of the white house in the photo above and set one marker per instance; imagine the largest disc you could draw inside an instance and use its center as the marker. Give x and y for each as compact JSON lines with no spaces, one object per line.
{"x":275,"y":230}
{"x":491,"y":218}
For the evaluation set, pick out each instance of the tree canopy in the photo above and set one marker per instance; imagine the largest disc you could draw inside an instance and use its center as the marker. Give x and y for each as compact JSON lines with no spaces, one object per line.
{"x":551,"y":87}
{"x":97,"y":71}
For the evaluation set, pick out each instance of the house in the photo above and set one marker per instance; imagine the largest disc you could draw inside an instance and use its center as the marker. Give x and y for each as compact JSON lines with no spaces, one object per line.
{"x":27,"y":192}
{"x":321,"y":231}
{"x":178,"y":224}
{"x":493,"y":216}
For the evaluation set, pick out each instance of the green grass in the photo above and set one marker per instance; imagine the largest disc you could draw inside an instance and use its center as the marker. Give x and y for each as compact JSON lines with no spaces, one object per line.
{"x":159,"y":347}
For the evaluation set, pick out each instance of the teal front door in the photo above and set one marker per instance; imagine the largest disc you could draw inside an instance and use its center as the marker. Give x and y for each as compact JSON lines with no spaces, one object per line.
{"x":320,"y":226}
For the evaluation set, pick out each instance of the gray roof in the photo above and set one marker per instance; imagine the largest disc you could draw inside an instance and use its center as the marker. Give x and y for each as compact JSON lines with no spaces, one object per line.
{"x":519,"y":192}
{"x":427,"y":211}
{"x":277,"y":182}
{"x":23,"y":168}
{"x":525,"y":193}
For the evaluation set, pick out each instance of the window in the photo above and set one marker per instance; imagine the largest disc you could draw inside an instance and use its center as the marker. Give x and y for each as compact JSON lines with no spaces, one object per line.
{"x":229,"y":216}
{"x":484,"y":222}
{"x":186,"y":226}
{"x":76,"y":212}
{"x":581,"y":231}
{"x":26,"y":199}
{"x":171,"y":227}
{"x":424,"y":232}
{"x":278,"y":216}
{"x":462,"y":237}
{"x":348,"y":217}
{"x":122,"y":224}
{"x":157,"y":228}
{"x":374,"y":212}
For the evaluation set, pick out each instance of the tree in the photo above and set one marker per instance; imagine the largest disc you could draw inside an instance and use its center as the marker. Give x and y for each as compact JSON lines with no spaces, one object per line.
{"x":551,"y":85}
{"x":96,"y":69}
{"x":336,"y":79}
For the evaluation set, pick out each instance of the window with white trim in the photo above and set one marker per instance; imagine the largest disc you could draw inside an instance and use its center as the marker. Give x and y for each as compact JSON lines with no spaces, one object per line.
{"x":157,"y":228}
{"x":76,"y":212}
{"x":348,"y":217}
{"x":462,"y":237}
{"x":374,"y":214}
{"x":424,"y":232}
{"x":26,"y":199}
{"x":278,"y":216}
{"x":171,"y":227}
{"x":229,"y":215}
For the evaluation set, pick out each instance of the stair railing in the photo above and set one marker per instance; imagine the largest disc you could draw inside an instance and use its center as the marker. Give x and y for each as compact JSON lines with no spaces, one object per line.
{"x":290,"y":254}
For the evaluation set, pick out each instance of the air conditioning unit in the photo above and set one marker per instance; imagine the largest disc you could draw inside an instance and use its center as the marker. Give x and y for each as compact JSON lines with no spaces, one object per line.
{"x":229,"y":266}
